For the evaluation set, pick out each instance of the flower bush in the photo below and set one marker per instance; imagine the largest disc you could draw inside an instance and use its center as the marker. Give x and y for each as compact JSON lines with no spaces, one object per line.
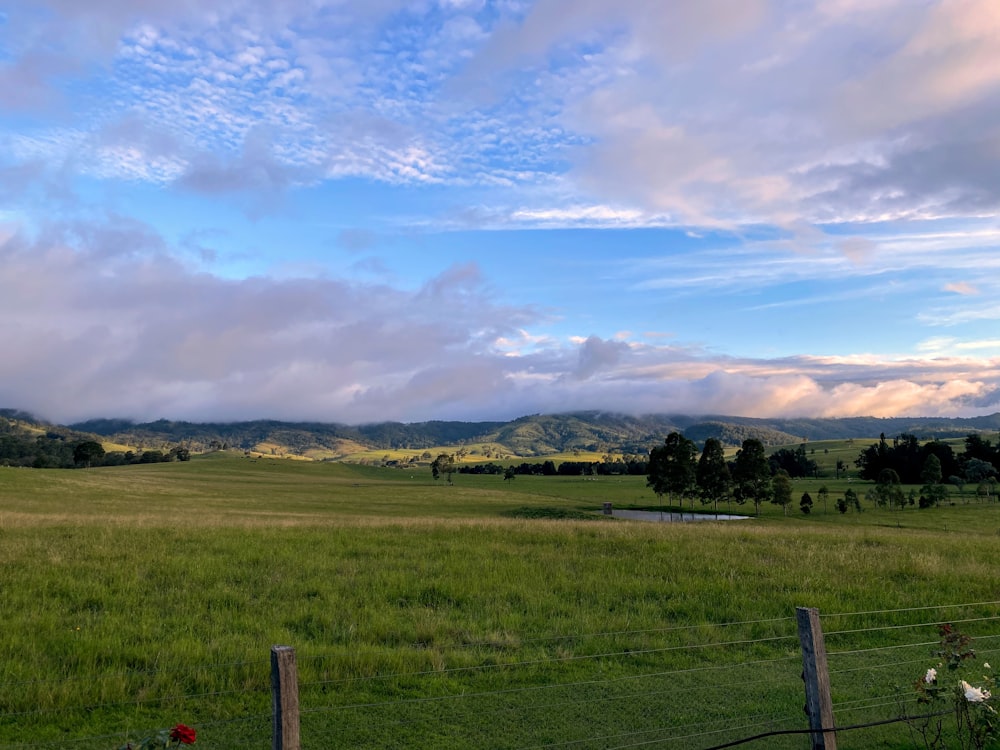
{"x":178,"y":735}
{"x":959,"y":696}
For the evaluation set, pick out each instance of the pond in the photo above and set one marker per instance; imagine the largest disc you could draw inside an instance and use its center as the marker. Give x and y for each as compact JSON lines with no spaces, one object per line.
{"x":667,"y":516}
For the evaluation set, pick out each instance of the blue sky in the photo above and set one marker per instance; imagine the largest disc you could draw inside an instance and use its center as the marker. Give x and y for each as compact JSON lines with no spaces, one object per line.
{"x":479,"y":209}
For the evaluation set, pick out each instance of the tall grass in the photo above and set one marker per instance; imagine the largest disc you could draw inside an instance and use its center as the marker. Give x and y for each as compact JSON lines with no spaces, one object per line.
{"x":145,"y":595}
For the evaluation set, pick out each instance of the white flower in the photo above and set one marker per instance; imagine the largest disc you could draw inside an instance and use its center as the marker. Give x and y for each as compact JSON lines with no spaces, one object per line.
{"x":986,"y":665}
{"x":931,"y":677}
{"x":974,"y":694}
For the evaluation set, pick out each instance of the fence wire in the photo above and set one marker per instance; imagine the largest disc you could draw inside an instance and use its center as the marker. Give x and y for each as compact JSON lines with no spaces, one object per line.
{"x":673,"y":687}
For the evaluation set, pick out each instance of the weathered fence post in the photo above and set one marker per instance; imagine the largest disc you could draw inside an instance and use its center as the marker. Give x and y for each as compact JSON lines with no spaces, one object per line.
{"x":819,"y":704}
{"x":284,"y":699}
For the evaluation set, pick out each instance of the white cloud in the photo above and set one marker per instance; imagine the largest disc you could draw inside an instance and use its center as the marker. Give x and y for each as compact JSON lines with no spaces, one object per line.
{"x":962,"y":287}
{"x":110,"y":324}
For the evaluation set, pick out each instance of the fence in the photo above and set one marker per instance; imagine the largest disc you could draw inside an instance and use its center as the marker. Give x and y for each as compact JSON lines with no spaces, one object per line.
{"x":700,"y":686}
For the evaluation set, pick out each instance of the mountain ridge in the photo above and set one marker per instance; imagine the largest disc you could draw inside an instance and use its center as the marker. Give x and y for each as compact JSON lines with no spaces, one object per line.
{"x":531,"y":435}
{"x":528,"y":436}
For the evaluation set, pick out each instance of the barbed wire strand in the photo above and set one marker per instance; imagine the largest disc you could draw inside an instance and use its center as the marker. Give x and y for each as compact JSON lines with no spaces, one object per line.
{"x":912,"y":625}
{"x":907,"y":609}
{"x":533,"y":707}
{"x":609,"y":633}
{"x":904,"y":645}
{"x":848,"y":728}
{"x":558,"y":659}
{"x":135,"y":702}
{"x":624,"y":678}
{"x":706,"y":733}
{"x":133,"y":672}
{"x":766,"y":719}
{"x":539,"y":639}
{"x":887,"y":665}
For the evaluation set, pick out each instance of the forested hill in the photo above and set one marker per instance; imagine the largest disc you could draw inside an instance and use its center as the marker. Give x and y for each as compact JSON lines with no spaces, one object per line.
{"x":534,"y":435}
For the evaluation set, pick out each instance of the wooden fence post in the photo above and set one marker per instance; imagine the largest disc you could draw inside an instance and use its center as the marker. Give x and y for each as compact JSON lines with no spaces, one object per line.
{"x":819,"y":704}
{"x":284,"y":699}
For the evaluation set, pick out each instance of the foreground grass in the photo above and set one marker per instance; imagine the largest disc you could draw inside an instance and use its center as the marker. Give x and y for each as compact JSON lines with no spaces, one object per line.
{"x":141,"y":596}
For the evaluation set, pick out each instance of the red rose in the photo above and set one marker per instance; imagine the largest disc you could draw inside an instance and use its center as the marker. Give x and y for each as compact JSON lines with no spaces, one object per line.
{"x":183,"y":734}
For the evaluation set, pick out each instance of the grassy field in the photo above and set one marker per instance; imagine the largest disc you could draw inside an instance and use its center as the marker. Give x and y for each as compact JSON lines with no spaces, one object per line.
{"x":427,"y":615}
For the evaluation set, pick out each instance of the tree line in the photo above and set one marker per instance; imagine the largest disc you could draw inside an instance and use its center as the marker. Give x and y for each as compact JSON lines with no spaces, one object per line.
{"x":932,"y":465}
{"x":909,"y":459}
{"x":56,"y":451}
{"x":677,"y":471}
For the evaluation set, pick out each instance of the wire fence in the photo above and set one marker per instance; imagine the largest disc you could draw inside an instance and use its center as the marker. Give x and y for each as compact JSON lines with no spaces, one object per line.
{"x":681,"y":686}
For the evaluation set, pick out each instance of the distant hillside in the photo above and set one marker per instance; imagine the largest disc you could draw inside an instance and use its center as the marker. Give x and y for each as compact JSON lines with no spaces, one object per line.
{"x":536,"y":435}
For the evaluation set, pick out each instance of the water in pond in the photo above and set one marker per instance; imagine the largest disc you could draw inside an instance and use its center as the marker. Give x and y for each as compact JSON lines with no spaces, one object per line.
{"x":666,"y":516}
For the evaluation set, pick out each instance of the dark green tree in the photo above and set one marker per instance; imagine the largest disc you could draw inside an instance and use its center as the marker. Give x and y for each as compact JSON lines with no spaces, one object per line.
{"x":873,"y":459}
{"x":932,"y":495}
{"x":931,"y":471}
{"x":888,"y":490}
{"x":978,"y":447}
{"x":88,"y":453}
{"x":977,"y":470}
{"x":824,"y":495}
{"x":781,"y":490}
{"x":806,"y":503}
{"x":751,"y":474}
{"x":959,"y":482}
{"x":852,"y":500}
{"x":509,"y":473}
{"x":712,"y":475}
{"x":444,"y":465}
{"x":672,"y":468}
{"x":795,"y":462}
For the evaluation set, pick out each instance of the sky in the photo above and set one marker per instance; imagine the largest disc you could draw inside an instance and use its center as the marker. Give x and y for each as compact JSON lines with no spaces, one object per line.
{"x":360,"y":211}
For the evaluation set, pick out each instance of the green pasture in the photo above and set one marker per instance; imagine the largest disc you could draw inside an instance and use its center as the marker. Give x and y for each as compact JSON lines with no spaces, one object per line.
{"x":429,"y":615}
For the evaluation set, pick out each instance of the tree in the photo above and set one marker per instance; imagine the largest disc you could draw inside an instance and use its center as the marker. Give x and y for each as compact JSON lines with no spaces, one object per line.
{"x":806,"y":503}
{"x":873,"y":459}
{"x":752,"y":474}
{"x":672,"y":467}
{"x":977,"y":447}
{"x":977,"y":470}
{"x":933,"y":492}
{"x":509,"y":473}
{"x":795,"y":462}
{"x":712,"y":475}
{"x":959,"y":482}
{"x":842,"y":504}
{"x":932,"y":495}
{"x":179,"y":453}
{"x":984,"y":488}
{"x":852,"y":500}
{"x":87,"y":453}
{"x":887,"y":489}
{"x":824,"y":495}
{"x":781,"y":490}
{"x":443,"y":464}
{"x":931,"y":471}
{"x":841,"y":467}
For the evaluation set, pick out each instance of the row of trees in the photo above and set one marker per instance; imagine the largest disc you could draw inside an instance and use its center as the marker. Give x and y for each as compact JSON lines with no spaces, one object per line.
{"x":676,"y":470}
{"x":54,"y":451}
{"x":909,"y":459}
